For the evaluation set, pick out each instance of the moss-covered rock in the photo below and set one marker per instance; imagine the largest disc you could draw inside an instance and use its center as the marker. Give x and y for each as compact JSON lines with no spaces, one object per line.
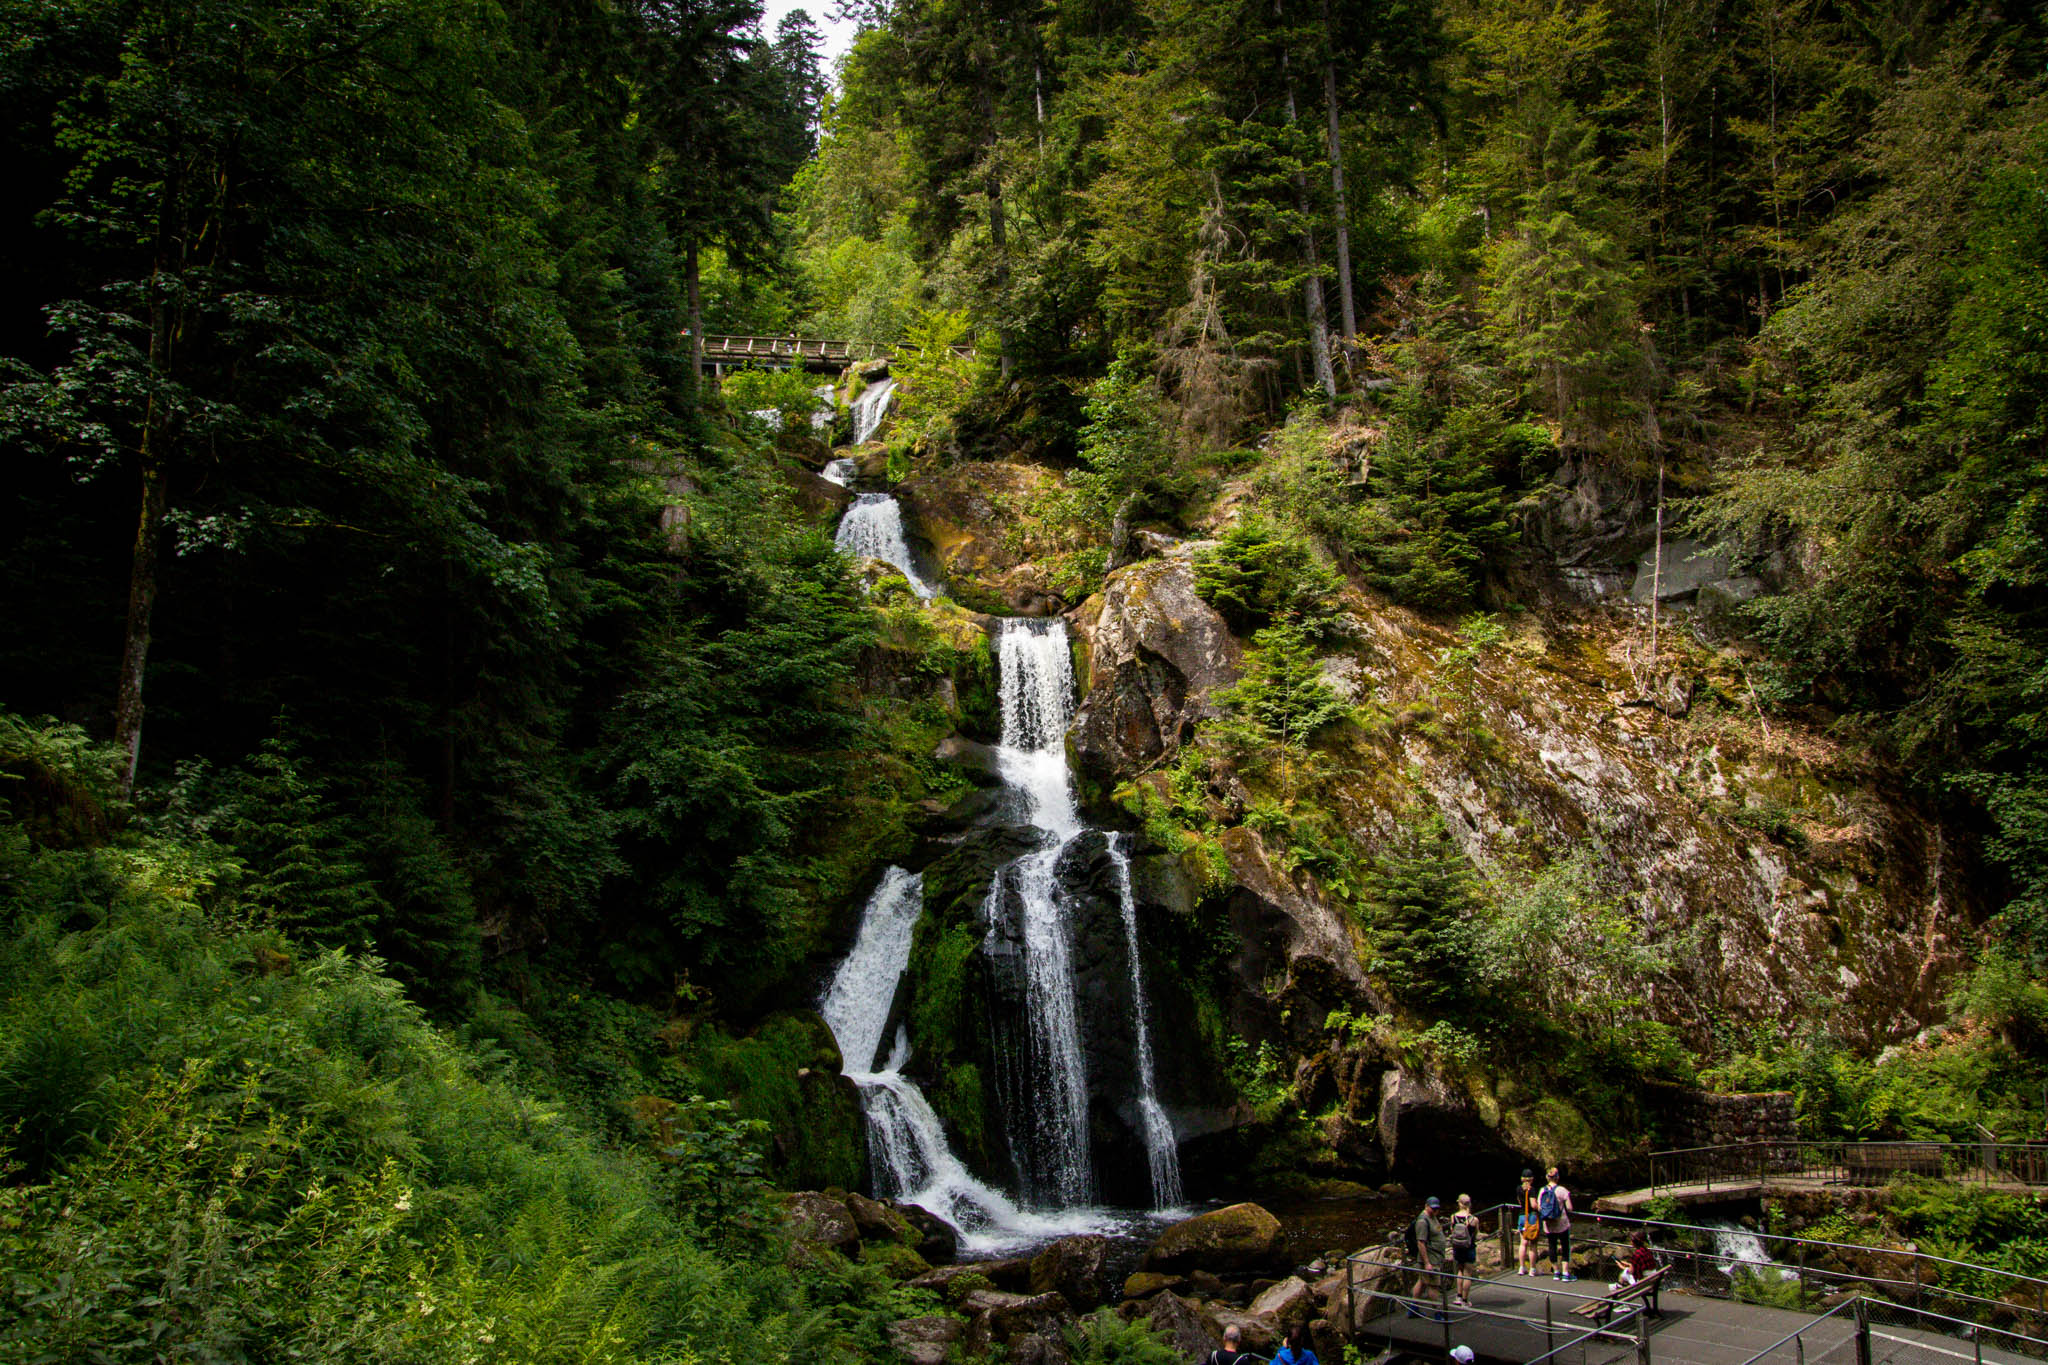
{"x":1240,"y":1237}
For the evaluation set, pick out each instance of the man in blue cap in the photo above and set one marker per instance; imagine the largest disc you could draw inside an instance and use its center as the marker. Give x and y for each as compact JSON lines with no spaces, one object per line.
{"x":1431,"y":1250}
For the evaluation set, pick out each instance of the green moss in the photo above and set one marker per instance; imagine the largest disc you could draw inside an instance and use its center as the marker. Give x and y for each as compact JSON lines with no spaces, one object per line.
{"x":815,"y":1126}
{"x":898,"y":1261}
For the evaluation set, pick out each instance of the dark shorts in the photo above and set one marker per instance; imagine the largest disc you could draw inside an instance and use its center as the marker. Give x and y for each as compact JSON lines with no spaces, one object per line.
{"x":1465,"y":1255}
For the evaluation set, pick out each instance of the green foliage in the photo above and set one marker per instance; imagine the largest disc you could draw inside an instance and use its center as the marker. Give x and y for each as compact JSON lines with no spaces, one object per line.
{"x":1130,"y":465}
{"x":1258,"y":573}
{"x":1102,"y":1338}
{"x":1421,"y":899}
{"x":267,"y":1152}
{"x":784,"y":392}
{"x":934,"y":381}
{"x":1282,"y":697}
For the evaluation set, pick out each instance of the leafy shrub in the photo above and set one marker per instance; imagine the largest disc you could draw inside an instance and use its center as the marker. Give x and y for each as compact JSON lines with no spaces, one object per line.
{"x":786,"y":392}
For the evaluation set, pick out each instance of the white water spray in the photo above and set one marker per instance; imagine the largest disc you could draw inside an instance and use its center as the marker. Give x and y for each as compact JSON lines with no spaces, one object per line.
{"x":870,"y":408}
{"x":873,"y":528}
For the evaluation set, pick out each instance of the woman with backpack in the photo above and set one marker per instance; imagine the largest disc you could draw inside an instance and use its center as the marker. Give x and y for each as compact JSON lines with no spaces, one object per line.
{"x":1464,"y":1238}
{"x":1554,"y":1207}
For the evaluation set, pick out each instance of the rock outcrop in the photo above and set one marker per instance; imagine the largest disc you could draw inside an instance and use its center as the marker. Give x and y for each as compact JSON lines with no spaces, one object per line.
{"x":1157,"y":653}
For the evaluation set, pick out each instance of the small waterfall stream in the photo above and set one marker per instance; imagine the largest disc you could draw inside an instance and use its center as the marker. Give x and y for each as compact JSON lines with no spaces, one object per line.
{"x":870,"y":408}
{"x":873,"y":528}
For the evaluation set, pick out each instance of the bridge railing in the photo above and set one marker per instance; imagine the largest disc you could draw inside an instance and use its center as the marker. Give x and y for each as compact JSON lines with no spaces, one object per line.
{"x":1849,"y":1163}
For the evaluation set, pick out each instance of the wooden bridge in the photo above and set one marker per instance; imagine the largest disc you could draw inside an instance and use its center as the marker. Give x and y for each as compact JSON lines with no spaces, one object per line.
{"x":816,"y":354}
{"x":787,"y":352}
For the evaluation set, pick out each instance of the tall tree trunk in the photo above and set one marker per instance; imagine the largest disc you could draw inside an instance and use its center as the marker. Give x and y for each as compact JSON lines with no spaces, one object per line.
{"x":1312,"y":291}
{"x":142,"y":589}
{"x":998,"y":238}
{"x":1347,"y":310}
{"x":696,"y":319}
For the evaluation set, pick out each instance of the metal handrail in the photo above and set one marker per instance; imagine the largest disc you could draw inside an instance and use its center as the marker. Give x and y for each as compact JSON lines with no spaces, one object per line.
{"x":1978,"y":1266}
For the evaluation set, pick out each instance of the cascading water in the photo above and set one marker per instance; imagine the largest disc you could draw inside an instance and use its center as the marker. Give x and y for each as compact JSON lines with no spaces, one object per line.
{"x":912,"y":1160}
{"x":1162,"y":1152}
{"x":839,"y":471}
{"x":1042,"y":1070}
{"x":870,"y":408}
{"x":1049,"y":1109}
{"x":873,"y":528}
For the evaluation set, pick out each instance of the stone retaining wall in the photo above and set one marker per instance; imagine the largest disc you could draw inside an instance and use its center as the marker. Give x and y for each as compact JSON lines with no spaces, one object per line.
{"x":1697,"y":1118}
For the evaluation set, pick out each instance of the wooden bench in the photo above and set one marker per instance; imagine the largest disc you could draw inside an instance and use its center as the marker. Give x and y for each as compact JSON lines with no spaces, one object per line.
{"x":1642,"y":1291}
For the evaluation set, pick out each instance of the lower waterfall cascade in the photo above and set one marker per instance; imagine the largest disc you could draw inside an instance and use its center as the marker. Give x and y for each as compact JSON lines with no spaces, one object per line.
{"x":1043,"y":1075}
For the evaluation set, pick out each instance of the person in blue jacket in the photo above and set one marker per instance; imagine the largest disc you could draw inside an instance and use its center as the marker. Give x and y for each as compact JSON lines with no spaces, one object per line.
{"x":1297,"y":1350}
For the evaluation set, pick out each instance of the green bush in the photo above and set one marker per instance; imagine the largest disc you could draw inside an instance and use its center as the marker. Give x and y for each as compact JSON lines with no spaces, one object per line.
{"x":1102,"y":1338}
{"x":1258,"y":573}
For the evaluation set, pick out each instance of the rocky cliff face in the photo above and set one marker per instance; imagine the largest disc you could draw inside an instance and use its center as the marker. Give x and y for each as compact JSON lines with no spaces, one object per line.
{"x":1783,"y":871}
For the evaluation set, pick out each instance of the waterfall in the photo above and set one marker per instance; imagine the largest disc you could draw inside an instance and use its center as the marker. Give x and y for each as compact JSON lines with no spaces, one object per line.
{"x":840,"y":471}
{"x":1736,"y":1249}
{"x":873,"y":528}
{"x":869,"y":409}
{"x":1162,"y":1152}
{"x":912,"y":1160}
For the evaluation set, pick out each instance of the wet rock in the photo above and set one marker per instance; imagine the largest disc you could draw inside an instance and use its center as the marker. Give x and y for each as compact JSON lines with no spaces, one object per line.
{"x":1241,"y":1237}
{"x":816,"y":1218}
{"x":817,"y":498}
{"x":1157,"y":652}
{"x":923,"y":1341}
{"x":1349,"y":1307}
{"x":937,"y":1240}
{"x":977,"y":761}
{"x":1075,"y":1268}
{"x":878,"y":1222}
{"x":1175,"y":1319}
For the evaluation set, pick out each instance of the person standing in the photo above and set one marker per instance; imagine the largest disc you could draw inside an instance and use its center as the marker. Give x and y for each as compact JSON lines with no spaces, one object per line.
{"x":1554,"y":1207}
{"x":1427,"y":1235}
{"x":1464,"y":1240}
{"x":1528,"y":1228}
{"x":1297,"y":1351}
{"x":1232,"y":1350}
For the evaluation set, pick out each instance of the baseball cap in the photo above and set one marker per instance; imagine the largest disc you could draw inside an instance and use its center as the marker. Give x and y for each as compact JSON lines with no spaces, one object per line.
{"x":1462,"y":1354}
{"x":1434,"y":1203}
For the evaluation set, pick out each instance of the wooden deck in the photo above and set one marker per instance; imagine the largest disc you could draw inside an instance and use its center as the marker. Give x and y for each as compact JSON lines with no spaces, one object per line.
{"x":1506,"y":1324}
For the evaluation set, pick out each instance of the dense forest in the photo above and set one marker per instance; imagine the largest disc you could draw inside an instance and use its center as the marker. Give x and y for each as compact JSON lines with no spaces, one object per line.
{"x":441,"y":746}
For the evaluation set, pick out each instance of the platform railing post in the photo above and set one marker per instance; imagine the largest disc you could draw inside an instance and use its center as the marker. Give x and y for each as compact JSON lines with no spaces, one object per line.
{"x":1862,"y":1330}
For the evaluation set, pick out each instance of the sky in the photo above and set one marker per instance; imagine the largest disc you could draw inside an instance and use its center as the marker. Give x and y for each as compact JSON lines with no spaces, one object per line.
{"x":838,"y":33}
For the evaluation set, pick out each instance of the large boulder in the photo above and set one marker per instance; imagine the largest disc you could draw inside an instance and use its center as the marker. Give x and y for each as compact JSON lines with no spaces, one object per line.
{"x":1145,"y":1283}
{"x":1284,"y":1304}
{"x":1175,"y":1319}
{"x":1077,"y":1269}
{"x":1241,"y":1237}
{"x":1257,"y":1334}
{"x":1029,"y":1327}
{"x":923,"y":1341}
{"x":1346,"y":1297}
{"x":821,"y":1220}
{"x":1157,"y":653}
